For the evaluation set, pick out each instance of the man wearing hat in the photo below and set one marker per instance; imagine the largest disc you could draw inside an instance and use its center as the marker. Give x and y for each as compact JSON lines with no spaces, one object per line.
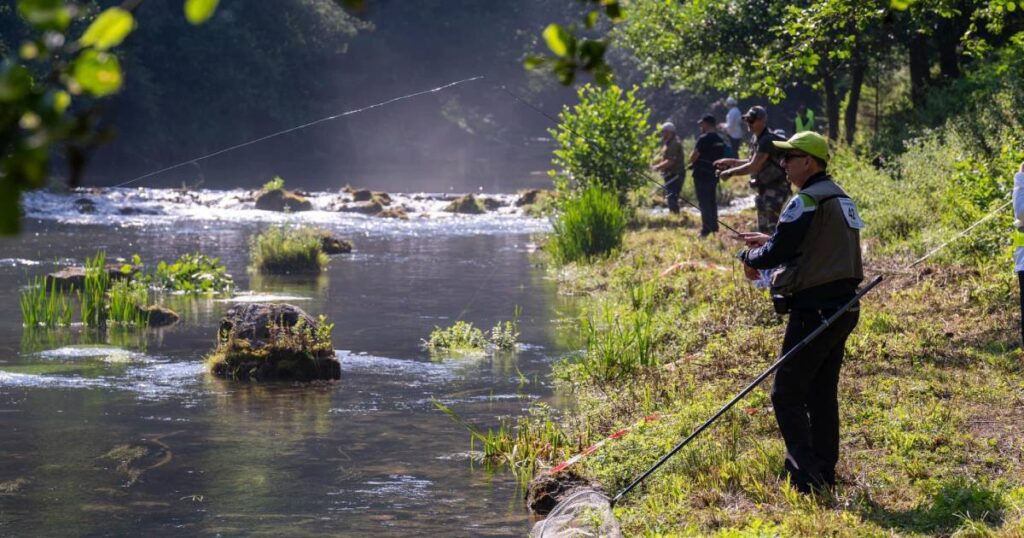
{"x":767,"y":177}
{"x":671,"y":165}
{"x":710,"y":147}
{"x":816,"y":249}
{"x":733,"y":125}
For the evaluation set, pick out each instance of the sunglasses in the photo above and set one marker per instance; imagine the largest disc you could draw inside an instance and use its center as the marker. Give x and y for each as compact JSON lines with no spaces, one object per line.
{"x":785,"y":158}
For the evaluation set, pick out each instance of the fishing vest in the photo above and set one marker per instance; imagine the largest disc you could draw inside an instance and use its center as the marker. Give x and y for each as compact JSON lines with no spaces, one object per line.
{"x":831,"y":249}
{"x":1018,"y":239}
{"x":805,"y":123}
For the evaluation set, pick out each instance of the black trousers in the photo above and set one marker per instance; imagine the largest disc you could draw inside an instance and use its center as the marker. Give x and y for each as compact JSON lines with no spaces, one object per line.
{"x":673,"y":186}
{"x":806,"y":397}
{"x":1020,"y":282}
{"x":707,"y":199}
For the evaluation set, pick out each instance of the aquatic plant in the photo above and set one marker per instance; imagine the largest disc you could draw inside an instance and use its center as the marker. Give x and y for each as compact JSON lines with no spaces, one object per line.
{"x":287,"y":250}
{"x":128,"y":299}
{"x":520,"y":443}
{"x":44,"y":303}
{"x":461,"y":337}
{"x":94,"y":293}
{"x":273,"y":185}
{"x":505,"y":335}
{"x":587,"y":226}
{"x":193,"y":273}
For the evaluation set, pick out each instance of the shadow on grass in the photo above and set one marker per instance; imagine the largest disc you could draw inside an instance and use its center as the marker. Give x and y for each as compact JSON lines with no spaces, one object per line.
{"x":956,"y":503}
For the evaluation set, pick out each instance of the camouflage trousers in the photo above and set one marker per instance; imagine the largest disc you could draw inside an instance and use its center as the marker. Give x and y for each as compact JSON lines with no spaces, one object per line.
{"x":769,"y":202}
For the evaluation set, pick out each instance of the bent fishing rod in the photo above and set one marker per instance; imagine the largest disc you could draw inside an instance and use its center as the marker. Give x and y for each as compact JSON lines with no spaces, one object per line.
{"x":632,"y":171}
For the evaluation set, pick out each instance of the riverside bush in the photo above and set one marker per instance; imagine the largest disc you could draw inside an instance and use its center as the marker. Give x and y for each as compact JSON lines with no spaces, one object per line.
{"x":193,"y":273}
{"x":287,"y":250}
{"x":603,"y":141}
{"x":587,"y":226}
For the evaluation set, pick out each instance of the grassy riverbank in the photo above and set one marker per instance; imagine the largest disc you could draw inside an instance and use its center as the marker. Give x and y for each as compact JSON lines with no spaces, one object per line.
{"x":932,"y":390}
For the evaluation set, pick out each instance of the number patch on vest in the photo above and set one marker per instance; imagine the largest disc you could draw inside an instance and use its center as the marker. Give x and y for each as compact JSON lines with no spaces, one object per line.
{"x":850,"y":214}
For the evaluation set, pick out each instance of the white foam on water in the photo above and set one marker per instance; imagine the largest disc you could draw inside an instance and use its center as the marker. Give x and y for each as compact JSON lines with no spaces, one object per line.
{"x":152,"y":380}
{"x":104,"y":353}
{"x":361,"y":363}
{"x":252,"y":297}
{"x":17,"y":262}
{"x":399,"y":486}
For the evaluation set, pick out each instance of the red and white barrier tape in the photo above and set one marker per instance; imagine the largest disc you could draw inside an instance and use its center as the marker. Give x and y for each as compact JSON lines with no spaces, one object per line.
{"x":618,"y":434}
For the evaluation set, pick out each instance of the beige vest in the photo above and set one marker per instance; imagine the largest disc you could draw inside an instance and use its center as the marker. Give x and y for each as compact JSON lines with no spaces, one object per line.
{"x":831,"y":249}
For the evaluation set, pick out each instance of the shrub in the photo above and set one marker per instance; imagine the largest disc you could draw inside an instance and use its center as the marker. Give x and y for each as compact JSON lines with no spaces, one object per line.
{"x":587,"y":226}
{"x":274,"y":184}
{"x":602,"y":141}
{"x":284,"y":250}
{"x":462,"y":337}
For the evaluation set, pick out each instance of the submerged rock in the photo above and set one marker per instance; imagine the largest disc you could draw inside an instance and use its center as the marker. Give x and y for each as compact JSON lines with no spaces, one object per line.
{"x":365,"y":208}
{"x":273,"y":341}
{"x":492,"y":204}
{"x":160,"y":316}
{"x":332,"y":245}
{"x":282,"y":200}
{"x":361,"y":195}
{"x":394,"y":213}
{"x":73,"y":278}
{"x":466,"y":205}
{"x":136,"y":210}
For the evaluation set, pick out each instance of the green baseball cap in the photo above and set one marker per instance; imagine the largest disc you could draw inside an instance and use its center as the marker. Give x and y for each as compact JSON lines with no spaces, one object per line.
{"x":808,"y":142}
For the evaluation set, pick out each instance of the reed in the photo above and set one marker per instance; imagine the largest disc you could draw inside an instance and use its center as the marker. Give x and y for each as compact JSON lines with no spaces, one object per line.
{"x":587,"y":226}
{"x":287,"y":250}
{"x":94,"y":293}
{"x":127,"y":303}
{"x":43,"y":303}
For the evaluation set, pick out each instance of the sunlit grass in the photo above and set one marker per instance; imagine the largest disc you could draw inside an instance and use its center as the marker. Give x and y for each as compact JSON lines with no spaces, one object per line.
{"x":287,"y":250}
{"x":44,"y":303}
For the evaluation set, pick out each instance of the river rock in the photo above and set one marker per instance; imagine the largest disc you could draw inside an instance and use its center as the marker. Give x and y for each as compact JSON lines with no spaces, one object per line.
{"x":85,"y":206}
{"x":492,"y":204}
{"x":136,"y":210}
{"x":547,"y":490}
{"x":382,"y":197}
{"x":73,"y":278}
{"x":160,"y":316}
{"x":529,"y":197}
{"x":466,"y":205}
{"x":361,"y":195}
{"x":332,"y":245}
{"x":365,"y":208}
{"x":394,"y":213}
{"x":282,"y":200}
{"x":272,"y":341}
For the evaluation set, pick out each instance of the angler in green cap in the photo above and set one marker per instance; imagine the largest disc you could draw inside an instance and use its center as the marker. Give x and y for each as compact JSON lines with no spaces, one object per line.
{"x":815,"y":252}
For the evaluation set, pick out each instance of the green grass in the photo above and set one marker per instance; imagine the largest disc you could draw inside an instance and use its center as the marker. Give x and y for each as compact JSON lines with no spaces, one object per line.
{"x":287,"y":250}
{"x":587,"y":226}
{"x":93,"y":296}
{"x":273,"y":185}
{"x":127,"y":302}
{"x":44,"y":305}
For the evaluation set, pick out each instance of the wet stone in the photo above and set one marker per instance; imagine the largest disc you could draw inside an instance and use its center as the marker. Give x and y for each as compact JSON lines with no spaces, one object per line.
{"x":547,"y":490}
{"x":466,"y":205}
{"x":282,"y":200}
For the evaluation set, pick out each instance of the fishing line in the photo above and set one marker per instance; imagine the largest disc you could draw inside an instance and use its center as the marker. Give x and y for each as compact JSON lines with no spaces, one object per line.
{"x":296,"y":128}
{"x":631,"y":170}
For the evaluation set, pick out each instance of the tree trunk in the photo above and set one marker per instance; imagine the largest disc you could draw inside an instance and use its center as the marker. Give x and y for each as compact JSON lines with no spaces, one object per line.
{"x":831,"y":105}
{"x":948,"y":37}
{"x":919,"y":67}
{"x":853,"y":98}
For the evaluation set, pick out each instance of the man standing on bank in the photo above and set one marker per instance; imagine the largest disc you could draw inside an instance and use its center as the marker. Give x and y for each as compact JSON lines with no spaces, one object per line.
{"x":767,"y":177}
{"x":671,"y":165}
{"x":710,"y":148}
{"x":1018,"y":239}
{"x":817,"y":248}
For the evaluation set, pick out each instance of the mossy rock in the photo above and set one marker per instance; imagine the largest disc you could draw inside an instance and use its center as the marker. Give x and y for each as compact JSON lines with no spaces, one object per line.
{"x":160,"y":316}
{"x":282,"y":200}
{"x":332,"y":245}
{"x":394,"y":213}
{"x":466,"y":205}
{"x":73,"y":278}
{"x":529,"y":197}
{"x":272,"y":342}
{"x":382,"y":198}
{"x":492,"y":204}
{"x":365,"y":208}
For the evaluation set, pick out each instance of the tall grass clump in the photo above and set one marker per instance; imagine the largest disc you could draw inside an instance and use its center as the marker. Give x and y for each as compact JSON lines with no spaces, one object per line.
{"x":287,"y":250}
{"x":587,"y":226}
{"x":462,"y":337}
{"x":94,"y":292}
{"x":43,"y":304}
{"x":128,"y":300}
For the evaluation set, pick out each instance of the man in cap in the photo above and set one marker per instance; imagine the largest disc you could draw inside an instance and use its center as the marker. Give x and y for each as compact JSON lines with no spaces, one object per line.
{"x":1018,"y":239}
{"x":733,"y":125}
{"x":710,"y":147}
{"x":816,"y":249}
{"x":671,"y":164}
{"x":767,"y":177}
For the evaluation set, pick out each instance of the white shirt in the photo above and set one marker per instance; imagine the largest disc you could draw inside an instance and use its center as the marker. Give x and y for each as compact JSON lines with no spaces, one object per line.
{"x":1018,"y":217}
{"x":734,"y":123}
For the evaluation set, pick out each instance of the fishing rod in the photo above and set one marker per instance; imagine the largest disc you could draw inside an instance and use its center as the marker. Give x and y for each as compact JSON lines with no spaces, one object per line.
{"x":753,"y":384}
{"x":195,"y":160}
{"x":630,"y":169}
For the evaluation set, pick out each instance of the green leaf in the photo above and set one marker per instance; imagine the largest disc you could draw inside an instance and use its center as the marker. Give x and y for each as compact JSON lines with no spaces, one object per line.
{"x":533,"y":62}
{"x":126,"y":269}
{"x":901,"y":5}
{"x":199,"y":11}
{"x":15,"y":83}
{"x":61,"y":101}
{"x":558,"y":39}
{"x":109,"y":29}
{"x":45,"y":14}
{"x":591,"y":19}
{"x":98,"y":73}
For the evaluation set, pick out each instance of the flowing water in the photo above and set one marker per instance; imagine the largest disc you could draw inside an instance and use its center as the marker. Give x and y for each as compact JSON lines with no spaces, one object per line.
{"x":123,"y":432}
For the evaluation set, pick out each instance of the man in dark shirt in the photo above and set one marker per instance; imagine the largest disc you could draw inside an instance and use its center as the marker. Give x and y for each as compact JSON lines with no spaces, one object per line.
{"x":671,"y":165}
{"x":710,"y":148}
{"x":767,"y":177}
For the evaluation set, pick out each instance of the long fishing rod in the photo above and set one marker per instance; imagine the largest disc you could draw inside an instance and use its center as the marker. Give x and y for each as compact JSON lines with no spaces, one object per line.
{"x":631,"y":170}
{"x":296,"y":128}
